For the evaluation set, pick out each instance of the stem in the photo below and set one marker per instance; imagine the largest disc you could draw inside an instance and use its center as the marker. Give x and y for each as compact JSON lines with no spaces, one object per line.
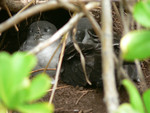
{"x":110,"y":90}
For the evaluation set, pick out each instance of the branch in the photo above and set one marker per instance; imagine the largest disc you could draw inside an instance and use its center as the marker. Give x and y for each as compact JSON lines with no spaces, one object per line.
{"x":34,"y":10}
{"x":111,"y":95}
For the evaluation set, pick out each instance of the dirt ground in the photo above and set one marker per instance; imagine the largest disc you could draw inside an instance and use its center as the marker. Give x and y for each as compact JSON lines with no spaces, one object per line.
{"x":69,"y":99}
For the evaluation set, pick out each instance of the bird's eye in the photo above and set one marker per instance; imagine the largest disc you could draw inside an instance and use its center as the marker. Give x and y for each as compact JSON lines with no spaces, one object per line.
{"x":47,"y":29}
{"x":31,"y":30}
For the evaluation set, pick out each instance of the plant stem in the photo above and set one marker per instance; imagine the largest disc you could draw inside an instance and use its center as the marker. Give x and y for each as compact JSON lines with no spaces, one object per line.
{"x":110,"y":91}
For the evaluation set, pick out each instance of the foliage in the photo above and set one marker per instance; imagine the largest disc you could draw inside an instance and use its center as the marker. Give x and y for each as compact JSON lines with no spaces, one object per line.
{"x":136,"y":44}
{"x":17,"y":91}
{"x":137,"y":104}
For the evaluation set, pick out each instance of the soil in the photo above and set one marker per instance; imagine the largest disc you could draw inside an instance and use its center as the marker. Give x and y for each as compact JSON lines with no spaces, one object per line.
{"x":69,"y":99}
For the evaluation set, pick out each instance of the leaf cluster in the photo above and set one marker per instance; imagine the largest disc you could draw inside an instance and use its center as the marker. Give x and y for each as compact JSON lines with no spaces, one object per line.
{"x":136,"y":45}
{"x":17,"y":91}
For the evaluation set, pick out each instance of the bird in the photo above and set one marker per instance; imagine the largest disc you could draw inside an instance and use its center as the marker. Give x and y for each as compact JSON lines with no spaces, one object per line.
{"x":38,"y":32}
{"x":72,"y":72}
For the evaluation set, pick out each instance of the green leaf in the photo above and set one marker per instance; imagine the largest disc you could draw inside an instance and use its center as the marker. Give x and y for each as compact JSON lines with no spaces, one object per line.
{"x":136,"y":45}
{"x":141,"y":13}
{"x":36,"y":108}
{"x":38,"y":87}
{"x":15,"y":87}
{"x":146,"y":98}
{"x":22,"y":65}
{"x":126,"y":108}
{"x":22,"y":94}
{"x":5,"y":71}
{"x":135,"y":99}
{"x":13,"y":70}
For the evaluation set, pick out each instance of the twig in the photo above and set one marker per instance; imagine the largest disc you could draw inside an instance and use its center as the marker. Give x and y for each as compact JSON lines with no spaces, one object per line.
{"x":81,"y":97}
{"x":52,"y":57}
{"x":58,"y":68}
{"x":117,"y":11}
{"x":26,"y":6}
{"x":140,"y":74}
{"x":110,"y":91}
{"x":42,"y":69}
{"x":120,"y":70}
{"x":9,"y":13}
{"x":58,"y":88}
{"x":124,"y":22}
{"x":82,"y":59}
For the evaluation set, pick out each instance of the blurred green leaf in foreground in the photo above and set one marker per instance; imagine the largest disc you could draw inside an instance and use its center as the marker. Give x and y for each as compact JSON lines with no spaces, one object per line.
{"x":137,"y":103}
{"x":136,"y":44}
{"x":17,"y":91}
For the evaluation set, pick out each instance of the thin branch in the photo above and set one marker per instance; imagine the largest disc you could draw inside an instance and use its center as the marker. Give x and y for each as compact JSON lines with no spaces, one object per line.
{"x":26,"y":6}
{"x":82,"y":59}
{"x":117,"y":11}
{"x":32,"y":11}
{"x":52,"y":57}
{"x":124,"y":22}
{"x":58,"y":68}
{"x":61,"y":87}
{"x":110,"y":91}
{"x":42,"y":69}
{"x":81,"y":97}
{"x":10,"y":15}
{"x":120,"y":69}
{"x":140,"y":74}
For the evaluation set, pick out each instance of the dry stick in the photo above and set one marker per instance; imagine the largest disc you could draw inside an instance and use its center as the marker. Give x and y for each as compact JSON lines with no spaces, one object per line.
{"x":58,"y":68}
{"x":52,"y":57}
{"x":117,"y":11}
{"x":59,"y":88}
{"x":140,"y":74}
{"x":34,"y":10}
{"x":42,"y":69}
{"x":120,"y":68}
{"x":81,"y":97}
{"x":110,"y":90}
{"x":81,"y":57}
{"x":26,"y":6}
{"x":125,"y":24}
{"x":9,"y":13}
